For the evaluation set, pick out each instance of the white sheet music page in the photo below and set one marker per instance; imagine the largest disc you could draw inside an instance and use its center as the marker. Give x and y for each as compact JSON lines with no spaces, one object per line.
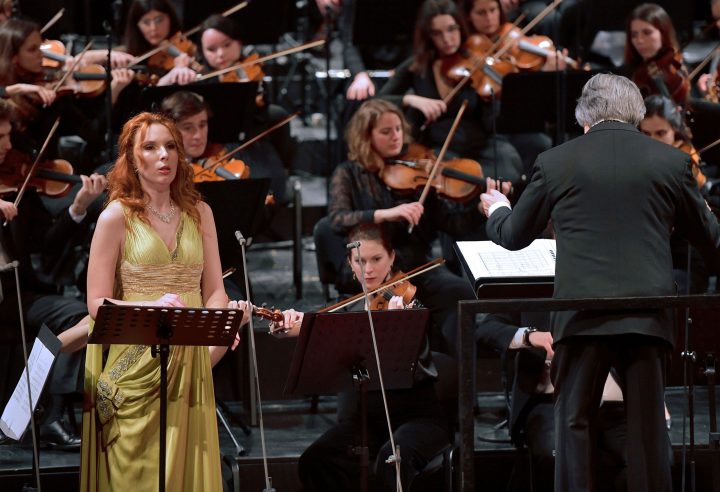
{"x":487,"y":260}
{"x":16,"y":416}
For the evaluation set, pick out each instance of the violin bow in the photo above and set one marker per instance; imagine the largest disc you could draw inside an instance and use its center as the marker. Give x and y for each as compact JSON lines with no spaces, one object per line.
{"x":74,"y":64}
{"x":441,"y":156}
{"x":53,"y":20}
{"x":262,"y":59}
{"x":704,"y":61}
{"x":31,"y":171}
{"x":412,"y":273}
{"x":709,"y":146}
{"x":229,"y":11}
{"x":257,"y":137}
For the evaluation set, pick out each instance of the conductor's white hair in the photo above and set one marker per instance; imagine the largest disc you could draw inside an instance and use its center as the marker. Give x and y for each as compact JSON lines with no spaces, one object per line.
{"x":609,"y":97}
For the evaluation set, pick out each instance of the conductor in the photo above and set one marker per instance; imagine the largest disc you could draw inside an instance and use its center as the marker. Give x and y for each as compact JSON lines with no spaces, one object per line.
{"x":614,"y":196}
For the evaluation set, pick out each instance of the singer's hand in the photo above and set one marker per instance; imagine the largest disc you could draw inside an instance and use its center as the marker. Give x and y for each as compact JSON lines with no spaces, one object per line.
{"x":168,"y":300}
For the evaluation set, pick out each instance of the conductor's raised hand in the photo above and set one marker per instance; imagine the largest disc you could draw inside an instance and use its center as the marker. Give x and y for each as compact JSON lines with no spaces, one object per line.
{"x":409,"y":212}
{"x":492,"y":196}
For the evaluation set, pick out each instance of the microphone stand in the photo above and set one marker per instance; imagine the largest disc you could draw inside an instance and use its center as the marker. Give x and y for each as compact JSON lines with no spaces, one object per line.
{"x":13,"y":265}
{"x":253,"y":355}
{"x":394,"y":458}
{"x":108,"y":94}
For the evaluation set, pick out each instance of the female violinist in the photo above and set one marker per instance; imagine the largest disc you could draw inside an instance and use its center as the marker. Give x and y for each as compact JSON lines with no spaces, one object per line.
{"x":653,"y":55}
{"x":420,"y":427}
{"x":22,"y":76}
{"x":420,"y":84}
{"x":358,"y":195}
{"x":149,"y":24}
{"x":222,"y":47}
{"x":664,"y":122}
{"x":191,"y":114}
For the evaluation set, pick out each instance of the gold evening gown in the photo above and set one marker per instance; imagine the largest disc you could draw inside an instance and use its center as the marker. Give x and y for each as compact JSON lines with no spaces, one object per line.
{"x":121,"y":414}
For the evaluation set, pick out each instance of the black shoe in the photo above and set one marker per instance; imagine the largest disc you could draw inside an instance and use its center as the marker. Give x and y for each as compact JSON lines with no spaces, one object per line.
{"x":58,"y":435}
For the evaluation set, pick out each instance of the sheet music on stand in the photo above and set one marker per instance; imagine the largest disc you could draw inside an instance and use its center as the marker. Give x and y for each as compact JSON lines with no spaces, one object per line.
{"x":485,"y":262}
{"x":16,"y":415}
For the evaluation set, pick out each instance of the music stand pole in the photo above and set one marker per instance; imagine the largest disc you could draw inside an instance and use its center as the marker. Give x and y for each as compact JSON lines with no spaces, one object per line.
{"x":128,"y":324}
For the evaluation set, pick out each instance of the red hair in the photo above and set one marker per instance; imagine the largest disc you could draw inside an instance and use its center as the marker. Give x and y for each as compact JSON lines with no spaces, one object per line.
{"x":123,"y":182}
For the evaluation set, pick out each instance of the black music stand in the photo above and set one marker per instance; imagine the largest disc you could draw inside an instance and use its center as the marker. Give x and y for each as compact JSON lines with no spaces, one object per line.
{"x":335,"y":352}
{"x":134,"y":325}
{"x":232,"y":104}
{"x":534,"y":95}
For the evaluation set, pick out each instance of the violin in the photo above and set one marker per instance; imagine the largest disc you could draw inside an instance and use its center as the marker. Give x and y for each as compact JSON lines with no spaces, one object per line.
{"x":381,"y":299}
{"x":397,"y":279}
{"x":164,"y":58}
{"x":52,"y":178}
{"x":252,"y":72}
{"x":666,"y":75}
{"x":689,"y":149}
{"x":476,"y":63}
{"x":53,"y":53}
{"x":457,"y":179}
{"x":218,"y":167}
{"x":529,"y":53}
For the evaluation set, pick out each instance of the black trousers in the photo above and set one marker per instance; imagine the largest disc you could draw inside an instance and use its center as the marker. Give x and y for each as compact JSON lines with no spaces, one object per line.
{"x":580,"y":367}
{"x":539,"y":436}
{"x":419,"y":429}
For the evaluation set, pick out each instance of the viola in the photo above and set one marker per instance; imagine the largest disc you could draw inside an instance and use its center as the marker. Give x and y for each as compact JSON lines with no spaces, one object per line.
{"x":381,"y":299}
{"x":665,"y":75}
{"x":53,"y":178}
{"x":457,"y":179}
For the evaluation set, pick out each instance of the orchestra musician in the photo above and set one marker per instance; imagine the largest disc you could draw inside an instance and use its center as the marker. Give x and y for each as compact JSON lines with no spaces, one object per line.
{"x":705,"y":81}
{"x":33,"y":230}
{"x":420,"y":426}
{"x":150,"y":23}
{"x":419,"y":83}
{"x":358,"y":195}
{"x":222,"y":47}
{"x":653,"y":58}
{"x":486,"y":18}
{"x":191,"y":114}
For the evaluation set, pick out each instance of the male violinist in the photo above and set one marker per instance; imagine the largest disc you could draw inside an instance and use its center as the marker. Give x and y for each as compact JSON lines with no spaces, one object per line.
{"x":614,"y":197}
{"x":33,"y":233}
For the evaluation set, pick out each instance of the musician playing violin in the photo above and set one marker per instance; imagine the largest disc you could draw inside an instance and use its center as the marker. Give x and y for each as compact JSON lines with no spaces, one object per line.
{"x":191,"y":113}
{"x":420,"y":426}
{"x":358,"y":195}
{"x":149,"y":24}
{"x":222,"y":47}
{"x":420,"y":84}
{"x":488,"y":19}
{"x":32,"y":230}
{"x":653,"y":55}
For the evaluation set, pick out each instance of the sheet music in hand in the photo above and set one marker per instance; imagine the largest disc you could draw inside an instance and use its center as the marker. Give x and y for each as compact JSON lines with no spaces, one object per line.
{"x":16,"y":415}
{"x":486,"y":262}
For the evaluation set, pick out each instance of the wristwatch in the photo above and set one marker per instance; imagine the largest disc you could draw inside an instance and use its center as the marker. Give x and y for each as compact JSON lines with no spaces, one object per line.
{"x":526,"y":336}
